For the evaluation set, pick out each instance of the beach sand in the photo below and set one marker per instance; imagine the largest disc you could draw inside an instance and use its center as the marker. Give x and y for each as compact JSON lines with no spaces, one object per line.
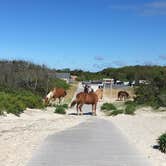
{"x":21,"y":136}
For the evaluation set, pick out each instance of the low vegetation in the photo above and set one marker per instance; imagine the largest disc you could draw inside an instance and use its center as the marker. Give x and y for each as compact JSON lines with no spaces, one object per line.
{"x":16,"y":102}
{"x":108,"y":107}
{"x":61,"y":109}
{"x":116,"y":112}
{"x":162,"y":143}
{"x":112,"y":109}
{"x":130,"y":108}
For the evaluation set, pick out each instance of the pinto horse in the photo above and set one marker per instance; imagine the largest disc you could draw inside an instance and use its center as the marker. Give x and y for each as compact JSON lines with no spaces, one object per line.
{"x":54,"y":94}
{"x":85,"y":98}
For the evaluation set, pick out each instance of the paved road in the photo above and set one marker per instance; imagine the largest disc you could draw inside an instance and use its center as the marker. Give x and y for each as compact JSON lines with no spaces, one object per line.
{"x":96,"y":142}
{"x":93,"y":143}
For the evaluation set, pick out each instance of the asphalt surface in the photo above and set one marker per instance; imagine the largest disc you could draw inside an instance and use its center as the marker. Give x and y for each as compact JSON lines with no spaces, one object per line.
{"x":96,"y":142}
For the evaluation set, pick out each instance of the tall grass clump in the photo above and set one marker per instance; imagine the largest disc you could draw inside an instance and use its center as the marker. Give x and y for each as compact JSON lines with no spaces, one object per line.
{"x":108,"y":107}
{"x":116,"y":112}
{"x":61,"y":109}
{"x":130,"y":107}
{"x":162,"y":143}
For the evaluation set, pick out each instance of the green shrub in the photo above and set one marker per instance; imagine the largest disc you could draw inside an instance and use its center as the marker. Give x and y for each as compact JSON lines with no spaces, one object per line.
{"x":162,"y":143}
{"x":130,"y":109}
{"x":16,"y":102}
{"x":60,"y":109}
{"x":116,"y":112}
{"x":153,"y":94}
{"x":108,"y":107}
{"x":130,"y":103}
{"x":65,"y":106}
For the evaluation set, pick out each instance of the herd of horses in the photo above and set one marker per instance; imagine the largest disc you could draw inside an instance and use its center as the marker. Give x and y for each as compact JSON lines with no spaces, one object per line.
{"x":91,"y":98}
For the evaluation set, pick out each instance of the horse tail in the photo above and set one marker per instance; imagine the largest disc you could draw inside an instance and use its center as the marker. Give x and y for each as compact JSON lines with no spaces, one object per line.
{"x":73,"y":103}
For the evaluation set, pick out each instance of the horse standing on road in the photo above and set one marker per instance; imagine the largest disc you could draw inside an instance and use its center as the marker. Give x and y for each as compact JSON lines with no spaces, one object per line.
{"x":59,"y":93}
{"x":85,"y":98}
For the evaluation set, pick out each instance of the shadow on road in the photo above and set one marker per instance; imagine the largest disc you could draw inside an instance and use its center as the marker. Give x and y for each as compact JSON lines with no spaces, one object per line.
{"x":87,"y":113}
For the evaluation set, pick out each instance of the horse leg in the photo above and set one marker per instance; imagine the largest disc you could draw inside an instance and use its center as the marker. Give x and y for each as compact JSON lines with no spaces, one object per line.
{"x":94,"y":109}
{"x":77,"y":109}
{"x":80,"y":107}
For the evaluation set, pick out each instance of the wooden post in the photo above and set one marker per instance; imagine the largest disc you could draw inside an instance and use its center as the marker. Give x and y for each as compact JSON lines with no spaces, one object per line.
{"x":111,"y":91}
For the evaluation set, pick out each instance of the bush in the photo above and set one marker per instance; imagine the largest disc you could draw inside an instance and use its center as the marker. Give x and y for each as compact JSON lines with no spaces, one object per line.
{"x":116,"y":112}
{"x":130,"y":103}
{"x":153,"y":94}
{"x":162,"y":143}
{"x":60,"y":109}
{"x":130,"y":109}
{"x":17,"y":102}
{"x":108,"y":107}
{"x":65,"y":106}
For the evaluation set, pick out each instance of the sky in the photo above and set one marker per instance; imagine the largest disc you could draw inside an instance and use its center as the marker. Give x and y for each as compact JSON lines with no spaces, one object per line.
{"x":84,"y":34}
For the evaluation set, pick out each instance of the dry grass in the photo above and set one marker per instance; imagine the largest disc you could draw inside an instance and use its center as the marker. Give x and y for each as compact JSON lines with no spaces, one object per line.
{"x":113,"y":95}
{"x":70,"y":92}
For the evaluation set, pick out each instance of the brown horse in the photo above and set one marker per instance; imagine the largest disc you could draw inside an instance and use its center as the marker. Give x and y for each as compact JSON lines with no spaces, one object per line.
{"x":123,"y":95}
{"x":54,"y":94}
{"x":85,"y":98}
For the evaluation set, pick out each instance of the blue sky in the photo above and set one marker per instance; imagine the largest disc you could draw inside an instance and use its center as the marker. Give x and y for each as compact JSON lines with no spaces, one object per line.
{"x":84,"y":34}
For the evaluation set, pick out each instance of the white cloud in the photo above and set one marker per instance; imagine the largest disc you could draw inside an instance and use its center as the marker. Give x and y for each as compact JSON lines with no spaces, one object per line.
{"x":147,"y":9}
{"x":157,"y":5}
{"x":99,"y":58}
{"x":162,"y":57}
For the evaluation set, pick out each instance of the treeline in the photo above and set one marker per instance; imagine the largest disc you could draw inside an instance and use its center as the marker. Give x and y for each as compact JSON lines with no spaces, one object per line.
{"x":28,"y":76}
{"x":127,"y":73}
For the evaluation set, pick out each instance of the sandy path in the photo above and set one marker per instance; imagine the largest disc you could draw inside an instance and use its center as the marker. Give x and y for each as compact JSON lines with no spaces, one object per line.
{"x":21,"y":136}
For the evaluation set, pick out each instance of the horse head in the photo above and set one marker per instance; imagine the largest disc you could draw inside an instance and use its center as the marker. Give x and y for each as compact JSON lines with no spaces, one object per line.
{"x":48,"y":97}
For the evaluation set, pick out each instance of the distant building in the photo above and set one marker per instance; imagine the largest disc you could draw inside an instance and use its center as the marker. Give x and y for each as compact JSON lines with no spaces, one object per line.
{"x":63,"y":76}
{"x":107,"y":82}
